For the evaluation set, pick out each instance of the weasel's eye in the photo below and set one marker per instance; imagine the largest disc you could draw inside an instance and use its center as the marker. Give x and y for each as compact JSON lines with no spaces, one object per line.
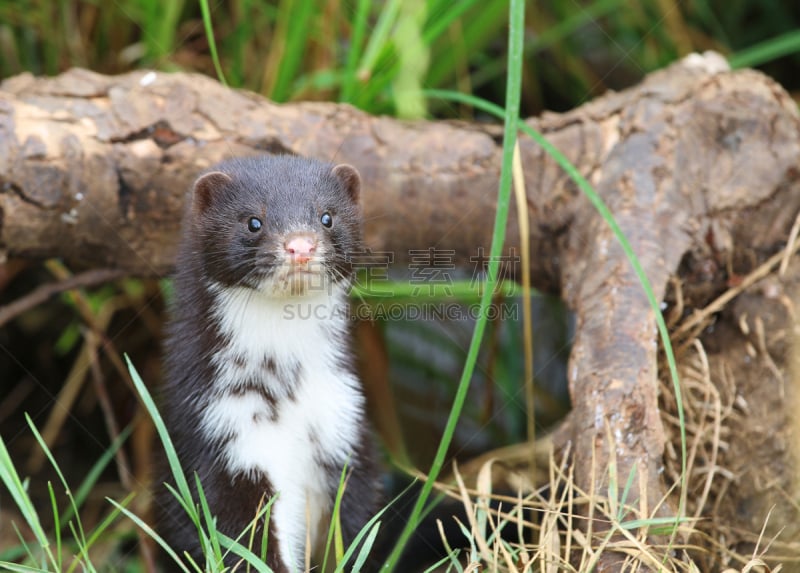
{"x":326,"y":219}
{"x":254,"y":225}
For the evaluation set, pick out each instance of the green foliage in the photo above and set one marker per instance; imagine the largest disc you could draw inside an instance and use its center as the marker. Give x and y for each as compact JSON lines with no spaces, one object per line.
{"x":768,"y":50}
{"x":47,"y":553}
{"x":379,"y":55}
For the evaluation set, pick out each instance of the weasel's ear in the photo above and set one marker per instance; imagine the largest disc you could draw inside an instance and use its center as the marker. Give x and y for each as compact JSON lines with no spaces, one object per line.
{"x":348,"y":175}
{"x":206,"y":187}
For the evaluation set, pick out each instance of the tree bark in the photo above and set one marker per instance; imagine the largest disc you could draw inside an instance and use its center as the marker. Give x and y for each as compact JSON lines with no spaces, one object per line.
{"x":698,"y":164}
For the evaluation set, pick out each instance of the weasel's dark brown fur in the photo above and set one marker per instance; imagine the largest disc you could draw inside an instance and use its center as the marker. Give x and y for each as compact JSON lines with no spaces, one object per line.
{"x":260,"y":396}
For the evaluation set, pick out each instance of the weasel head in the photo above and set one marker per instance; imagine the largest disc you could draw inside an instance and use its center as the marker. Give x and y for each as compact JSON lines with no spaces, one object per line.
{"x":283,"y":226}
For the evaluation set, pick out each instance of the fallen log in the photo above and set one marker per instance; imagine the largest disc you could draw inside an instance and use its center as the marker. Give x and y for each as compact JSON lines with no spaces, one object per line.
{"x":698,"y":164}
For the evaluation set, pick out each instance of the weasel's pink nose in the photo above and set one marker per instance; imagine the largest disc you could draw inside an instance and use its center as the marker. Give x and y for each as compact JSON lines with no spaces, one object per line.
{"x":300,"y":248}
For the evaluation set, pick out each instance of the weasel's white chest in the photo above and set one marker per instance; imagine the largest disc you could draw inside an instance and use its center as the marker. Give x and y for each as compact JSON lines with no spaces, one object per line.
{"x":291,"y":412}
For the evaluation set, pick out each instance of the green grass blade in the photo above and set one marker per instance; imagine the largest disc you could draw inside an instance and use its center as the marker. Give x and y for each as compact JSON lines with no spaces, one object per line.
{"x":21,"y":568}
{"x":56,"y":521}
{"x":385,"y":66}
{"x":195,"y":567}
{"x":167,"y":25}
{"x":265,"y":530}
{"x":513,"y":87}
{"x":767,"y":51}
{"x":439,"y":23}
{"x":183,"y":502}
{"x":212,"y":43}
{"x":298,"y":23}
{"x":263,"y":514}
{"x":467,"y":290}
{"x":82,"y":558}
{"x":351,"y":81}
{"x":625,"y":493}
{"x":363,"y":555}
{"x":101,"y":527}
{"x":669,"y":522}
{"x":94,"y":473}
{"x":46,"y":451}
{"x":251,"y":558}
{"x":335,"y":521}
{"x":608,"y":217}
{"x":12,"y":553}
{"x":413,"y":59}
{"x":379,"y":38}
{"x":477,"y":33}
{"x":371,"y":525}
{"x":79,"y":537}
{"x":10,"y":478}
{"x":451,"y":557}
{"x":159,"y":22}
{"x":166,"y":441}
{"x":368,"y":527}
{"x":211,"y":522}
{"x":151,"y":533}
{"x":474,"y":555}
{"x":26,"y":549}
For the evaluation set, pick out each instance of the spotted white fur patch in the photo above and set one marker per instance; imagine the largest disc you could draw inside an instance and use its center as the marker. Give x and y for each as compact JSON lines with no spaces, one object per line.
{"x":292,"y":348}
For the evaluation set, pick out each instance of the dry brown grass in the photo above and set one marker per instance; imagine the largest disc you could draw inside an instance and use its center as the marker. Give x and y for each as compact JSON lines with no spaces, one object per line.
{"x":563,"y":528}
{"x":741,"y":510}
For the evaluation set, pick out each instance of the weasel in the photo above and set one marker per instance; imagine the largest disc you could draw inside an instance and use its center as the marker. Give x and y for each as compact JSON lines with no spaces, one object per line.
{"x":260,"y":396}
